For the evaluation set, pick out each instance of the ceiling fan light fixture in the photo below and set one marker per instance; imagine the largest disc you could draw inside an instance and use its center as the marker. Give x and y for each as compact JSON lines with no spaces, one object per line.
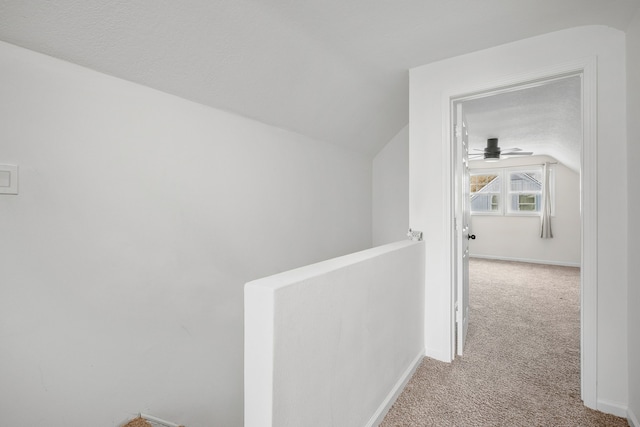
{"x":492,"y":151}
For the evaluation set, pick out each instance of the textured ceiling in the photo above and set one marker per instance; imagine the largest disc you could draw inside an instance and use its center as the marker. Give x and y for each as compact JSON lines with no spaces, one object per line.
{"x":335,"y":70}
{"x":545,"y":119}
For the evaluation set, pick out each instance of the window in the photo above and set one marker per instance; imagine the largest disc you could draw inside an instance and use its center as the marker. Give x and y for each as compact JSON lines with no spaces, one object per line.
{"x":525,"y":191}
{"x":486,"y":189}
{"x":520,"y":189}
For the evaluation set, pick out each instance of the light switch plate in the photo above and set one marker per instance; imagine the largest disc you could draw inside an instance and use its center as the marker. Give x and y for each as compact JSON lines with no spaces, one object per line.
{"x":8,"y":179}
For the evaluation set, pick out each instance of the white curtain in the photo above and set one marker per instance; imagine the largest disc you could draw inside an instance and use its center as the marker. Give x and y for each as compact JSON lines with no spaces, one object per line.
{"x":545,"y":217}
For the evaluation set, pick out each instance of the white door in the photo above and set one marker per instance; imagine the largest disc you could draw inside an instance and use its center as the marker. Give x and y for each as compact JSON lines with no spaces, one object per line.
{"x":462,"y":226}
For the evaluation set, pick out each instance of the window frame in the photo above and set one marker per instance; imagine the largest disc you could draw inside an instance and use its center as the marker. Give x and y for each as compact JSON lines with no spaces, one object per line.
{"x":500,"y":175}
{"x":509,"y":192}
{"x":504,"y":205}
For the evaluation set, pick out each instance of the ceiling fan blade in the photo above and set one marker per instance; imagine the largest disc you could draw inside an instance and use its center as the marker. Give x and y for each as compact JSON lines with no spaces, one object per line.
{"x":478,"y":149}
{"x":517,"y":153}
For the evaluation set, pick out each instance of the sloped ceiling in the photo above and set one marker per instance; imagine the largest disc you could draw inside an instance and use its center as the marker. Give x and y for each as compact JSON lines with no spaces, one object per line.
{"x":335,"y":70}
{"x":544,"y":119}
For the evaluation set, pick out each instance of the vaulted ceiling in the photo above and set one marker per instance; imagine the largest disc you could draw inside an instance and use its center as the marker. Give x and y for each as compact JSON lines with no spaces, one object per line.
{"x":334,"y":70}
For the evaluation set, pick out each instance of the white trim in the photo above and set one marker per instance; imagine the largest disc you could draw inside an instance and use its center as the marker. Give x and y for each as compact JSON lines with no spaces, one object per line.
{"x":386,"y":404}
{"x":633,"y":420}
{"x":258,"y":355}
{"x":612,"y":408}
{"x":531,"y":261}
{"x":585,"y":67}
{"x":589,"y":235}
{"x":449,"y":197}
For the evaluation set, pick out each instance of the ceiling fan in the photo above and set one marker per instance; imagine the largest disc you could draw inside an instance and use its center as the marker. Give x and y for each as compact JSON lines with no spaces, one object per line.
{"x":492,"y":153}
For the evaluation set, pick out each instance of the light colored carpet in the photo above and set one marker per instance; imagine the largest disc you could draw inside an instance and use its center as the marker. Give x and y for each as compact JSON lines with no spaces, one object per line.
{"x":521,"y":365}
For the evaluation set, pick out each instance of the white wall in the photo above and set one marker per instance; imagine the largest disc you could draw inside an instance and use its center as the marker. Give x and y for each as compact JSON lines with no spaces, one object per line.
{"x":633,"y":160}
{"x":139,"y":219}
{"x":518,"y":237}
{"x":391,"y":190}
{"x":332,"y":344}
{"x":431,"y":87}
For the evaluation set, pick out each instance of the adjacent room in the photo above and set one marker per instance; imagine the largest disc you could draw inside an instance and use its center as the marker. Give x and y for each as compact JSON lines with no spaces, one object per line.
{"x":524,"y":293}
{"x":534,"y":126}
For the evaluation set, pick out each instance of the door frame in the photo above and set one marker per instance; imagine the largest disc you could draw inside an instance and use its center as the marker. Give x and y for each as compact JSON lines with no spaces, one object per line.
{"x":586,"y":69}
{"x":462,"y":225}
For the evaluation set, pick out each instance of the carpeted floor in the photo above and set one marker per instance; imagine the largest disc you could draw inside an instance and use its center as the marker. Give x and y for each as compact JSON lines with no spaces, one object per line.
{"x":521,"y":365}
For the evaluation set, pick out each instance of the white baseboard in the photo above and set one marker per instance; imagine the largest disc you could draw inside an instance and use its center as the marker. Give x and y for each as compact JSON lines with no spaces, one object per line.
{"x":633,"y":420}
{"x":532,"y":261}
{"x":612,"y":408}
{"x":384,"y":407}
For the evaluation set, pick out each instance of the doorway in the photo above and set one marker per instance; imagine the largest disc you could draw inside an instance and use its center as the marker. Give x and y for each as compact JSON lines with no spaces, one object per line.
{"x":585,"y":164}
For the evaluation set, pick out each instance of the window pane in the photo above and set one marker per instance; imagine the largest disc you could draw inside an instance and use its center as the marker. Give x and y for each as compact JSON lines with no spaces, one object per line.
{"x":478,"y":182}
{"x":525,"y":202}
{"x":525,"y":191}
{"x":485,"y":193}
{"x":485,"y":203}
{"x":525,"y":181}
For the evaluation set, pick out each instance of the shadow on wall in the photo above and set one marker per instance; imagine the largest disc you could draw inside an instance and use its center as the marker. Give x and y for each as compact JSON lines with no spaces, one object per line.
{"x":139,"y":219}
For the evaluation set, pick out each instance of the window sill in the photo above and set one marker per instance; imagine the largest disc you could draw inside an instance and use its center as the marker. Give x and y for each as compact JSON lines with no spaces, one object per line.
{"x":511,"y":214}
{"x":537,"y":214}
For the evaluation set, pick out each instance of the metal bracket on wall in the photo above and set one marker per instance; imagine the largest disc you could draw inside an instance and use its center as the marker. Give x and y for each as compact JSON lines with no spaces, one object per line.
{"x":414,"y":235}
